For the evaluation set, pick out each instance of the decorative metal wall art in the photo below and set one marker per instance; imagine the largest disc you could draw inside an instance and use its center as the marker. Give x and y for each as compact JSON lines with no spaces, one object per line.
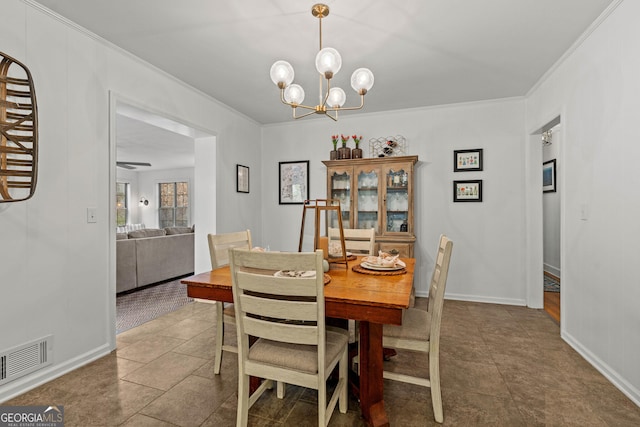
{"x":388,"y":146}
{"x":18,"y":131}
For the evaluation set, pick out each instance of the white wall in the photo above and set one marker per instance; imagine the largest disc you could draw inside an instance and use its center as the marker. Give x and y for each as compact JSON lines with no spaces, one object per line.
{"x":58,"y":271}
{"x":597,"y":88}
{"x":487,"y":262}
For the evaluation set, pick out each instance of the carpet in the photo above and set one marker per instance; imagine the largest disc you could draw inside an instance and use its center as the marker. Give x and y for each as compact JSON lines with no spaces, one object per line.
{"x":551,"y":284}
{"x":135,"y":308}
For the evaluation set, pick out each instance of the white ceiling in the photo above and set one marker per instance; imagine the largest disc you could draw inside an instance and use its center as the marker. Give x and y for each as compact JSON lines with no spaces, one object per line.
{"x":422,"y":52}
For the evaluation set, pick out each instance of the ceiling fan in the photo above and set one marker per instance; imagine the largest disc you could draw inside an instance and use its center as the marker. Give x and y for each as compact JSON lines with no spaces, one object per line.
{"x":131,"y":165}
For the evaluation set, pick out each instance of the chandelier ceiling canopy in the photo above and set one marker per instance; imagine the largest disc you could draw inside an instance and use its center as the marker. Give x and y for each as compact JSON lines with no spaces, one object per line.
{"x":328,"y":63}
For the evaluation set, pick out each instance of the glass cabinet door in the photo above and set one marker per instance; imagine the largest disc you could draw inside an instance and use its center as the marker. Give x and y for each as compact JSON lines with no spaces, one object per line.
{"x":397,"y":200}
{"x":368,"y":201}
{"x":340,"y":185}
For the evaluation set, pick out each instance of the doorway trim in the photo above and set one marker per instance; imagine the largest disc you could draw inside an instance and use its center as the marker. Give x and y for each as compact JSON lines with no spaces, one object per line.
{"x":205,"y":141}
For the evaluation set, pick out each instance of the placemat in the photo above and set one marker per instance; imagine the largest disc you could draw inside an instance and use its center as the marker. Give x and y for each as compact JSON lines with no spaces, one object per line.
{"x":359,"y":269}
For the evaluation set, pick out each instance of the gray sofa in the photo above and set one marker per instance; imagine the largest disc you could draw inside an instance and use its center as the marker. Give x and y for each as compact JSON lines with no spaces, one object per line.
{"x":148,"y":256}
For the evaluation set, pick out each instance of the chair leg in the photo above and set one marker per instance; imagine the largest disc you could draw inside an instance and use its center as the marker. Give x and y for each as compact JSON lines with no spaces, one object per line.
{"x":242,"y":414}
{"x":219,"y":338}
{"x":434,"y":378}
{"x":343,"y":380}
{"x":280,"y":389}
{"x":322,"y":403}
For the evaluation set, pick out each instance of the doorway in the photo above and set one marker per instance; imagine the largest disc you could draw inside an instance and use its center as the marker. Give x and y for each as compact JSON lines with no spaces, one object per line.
{"x":202,"y":179}
{"x":551,"y":187}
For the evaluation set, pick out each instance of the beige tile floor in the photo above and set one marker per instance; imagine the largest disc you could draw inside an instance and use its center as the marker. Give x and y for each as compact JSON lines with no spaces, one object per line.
{"x":500,"y":366}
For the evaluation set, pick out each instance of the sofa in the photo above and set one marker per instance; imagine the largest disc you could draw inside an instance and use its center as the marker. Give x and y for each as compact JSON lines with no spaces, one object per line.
{"x":150,"y":255}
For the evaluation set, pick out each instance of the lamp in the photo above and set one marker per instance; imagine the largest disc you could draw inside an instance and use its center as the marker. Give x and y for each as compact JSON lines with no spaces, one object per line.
{"x":328,"y":63}
{"x":144,"y":201}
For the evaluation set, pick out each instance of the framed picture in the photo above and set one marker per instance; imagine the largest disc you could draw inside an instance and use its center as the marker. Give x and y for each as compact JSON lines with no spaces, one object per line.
{"x":549,"y":176}
{"x":467,"y":160}
{"x":293,"y":181}
{"x":467,"y":191}
{"x":242,"y":179}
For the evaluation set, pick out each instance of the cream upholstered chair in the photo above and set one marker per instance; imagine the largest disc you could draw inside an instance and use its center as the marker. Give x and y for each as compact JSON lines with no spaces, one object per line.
{"x":219,"y":245}
{"x":286,"y":316}
{"x":356,"y":240}
{"x":420,"y":330}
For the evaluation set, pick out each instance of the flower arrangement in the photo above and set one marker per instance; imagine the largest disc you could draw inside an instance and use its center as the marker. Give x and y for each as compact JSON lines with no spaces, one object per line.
{"x":334,"y":140}
{"x":344,"y":140}
{"x":356,"y":139}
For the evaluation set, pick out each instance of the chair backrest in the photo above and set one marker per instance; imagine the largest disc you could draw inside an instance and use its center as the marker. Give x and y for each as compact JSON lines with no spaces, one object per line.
{"x":438,"y":285}
{"x":360,"y":241}
{"x":275,"y":306}
{"x":219,"y":245}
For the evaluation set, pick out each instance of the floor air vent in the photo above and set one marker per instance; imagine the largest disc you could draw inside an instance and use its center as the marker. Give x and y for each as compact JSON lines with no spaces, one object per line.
{"x":26,"y":358}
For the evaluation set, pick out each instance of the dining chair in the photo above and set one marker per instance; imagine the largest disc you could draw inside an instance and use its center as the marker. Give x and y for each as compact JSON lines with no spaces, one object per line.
{"x":359,"y":241}
{"x":420,"y":330}
{"x":279,"y":303}
{"x":219,"y":245}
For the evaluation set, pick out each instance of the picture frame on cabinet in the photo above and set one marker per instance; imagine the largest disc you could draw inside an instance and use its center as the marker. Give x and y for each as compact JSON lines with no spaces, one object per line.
{"x":242,"y":179}
{"x":549,"y":176}
{"x":293,"y":182}
{"x":467,"y":160}
{"x":467,"y":191}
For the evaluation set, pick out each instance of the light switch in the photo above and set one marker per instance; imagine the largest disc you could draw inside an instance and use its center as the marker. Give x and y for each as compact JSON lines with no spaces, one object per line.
{"x":92,"y":215}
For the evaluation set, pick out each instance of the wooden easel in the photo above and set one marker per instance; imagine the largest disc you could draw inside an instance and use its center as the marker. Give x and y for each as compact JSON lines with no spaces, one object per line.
{"x":326,"y":206}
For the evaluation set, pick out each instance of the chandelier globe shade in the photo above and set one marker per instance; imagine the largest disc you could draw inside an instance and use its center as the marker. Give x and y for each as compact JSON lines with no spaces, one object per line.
{"x":282,"y":74}
{"x":337,"y":97}
{"x":328,"y":62}
{"x":294,"y":94}
{"x":362,"y":80}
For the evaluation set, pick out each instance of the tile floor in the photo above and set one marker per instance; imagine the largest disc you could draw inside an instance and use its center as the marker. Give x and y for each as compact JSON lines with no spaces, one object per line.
{"x":500,"y":366}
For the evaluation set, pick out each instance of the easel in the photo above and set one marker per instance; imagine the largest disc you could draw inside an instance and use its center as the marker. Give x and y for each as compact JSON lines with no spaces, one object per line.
{"x":327,"y":206}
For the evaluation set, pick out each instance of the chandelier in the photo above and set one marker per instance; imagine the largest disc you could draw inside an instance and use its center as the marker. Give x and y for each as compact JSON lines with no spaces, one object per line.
{"x":328,"y":63}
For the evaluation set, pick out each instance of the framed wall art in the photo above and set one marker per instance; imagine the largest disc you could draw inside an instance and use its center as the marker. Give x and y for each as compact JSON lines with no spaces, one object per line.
{"x":242,"y":179}
{"x":467,"y":191}
{"x":293,"y":182}
{"x":549,"y":176}
{"x":467,"y":160}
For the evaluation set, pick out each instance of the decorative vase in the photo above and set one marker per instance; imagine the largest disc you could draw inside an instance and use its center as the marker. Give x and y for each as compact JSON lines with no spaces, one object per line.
{"x":344,"y":152}
{"x":356,"y":153}
{"x":333,"y":155}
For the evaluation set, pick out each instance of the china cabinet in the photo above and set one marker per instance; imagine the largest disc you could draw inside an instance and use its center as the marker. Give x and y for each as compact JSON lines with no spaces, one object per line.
{"x":376,"y":193}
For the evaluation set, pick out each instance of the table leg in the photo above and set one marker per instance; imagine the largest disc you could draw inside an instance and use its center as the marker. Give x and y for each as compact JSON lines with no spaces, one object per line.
{"x":371,"y":381}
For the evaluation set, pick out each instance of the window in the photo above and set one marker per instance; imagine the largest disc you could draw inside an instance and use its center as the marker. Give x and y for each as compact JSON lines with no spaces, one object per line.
{"x":174,"y":204}
{"x":122,"y":203}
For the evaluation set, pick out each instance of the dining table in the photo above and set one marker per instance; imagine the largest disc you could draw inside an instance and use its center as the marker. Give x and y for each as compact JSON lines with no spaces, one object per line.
{"x":374,"y":298}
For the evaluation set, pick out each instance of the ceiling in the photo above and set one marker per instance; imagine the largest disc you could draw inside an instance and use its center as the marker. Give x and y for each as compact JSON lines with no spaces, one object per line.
{"x":422,"y":52}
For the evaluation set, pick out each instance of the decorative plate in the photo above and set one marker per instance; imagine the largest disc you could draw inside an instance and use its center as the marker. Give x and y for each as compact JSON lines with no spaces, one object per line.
{"x":293,"y":273}
{"x":379,"y":267}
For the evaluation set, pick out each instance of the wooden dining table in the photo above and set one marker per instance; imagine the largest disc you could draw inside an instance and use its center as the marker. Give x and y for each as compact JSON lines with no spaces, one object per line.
{"x":373,"y":299}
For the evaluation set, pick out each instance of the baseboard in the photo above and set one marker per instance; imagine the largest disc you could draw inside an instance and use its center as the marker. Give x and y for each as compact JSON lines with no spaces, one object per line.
{"x":478,"y":298}
{"x":38,"y":378}
{"x":620,"y":383}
